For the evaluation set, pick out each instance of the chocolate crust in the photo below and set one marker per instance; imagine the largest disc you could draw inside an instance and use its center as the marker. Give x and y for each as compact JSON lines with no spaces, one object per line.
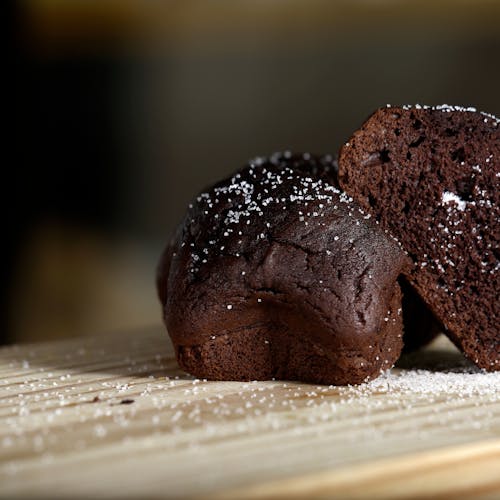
{"x":431,"y":177}
{"x":275,"y":273}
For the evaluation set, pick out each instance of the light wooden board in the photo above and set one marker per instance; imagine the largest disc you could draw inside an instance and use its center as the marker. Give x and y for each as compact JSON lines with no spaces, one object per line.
{"x":113,"y":416}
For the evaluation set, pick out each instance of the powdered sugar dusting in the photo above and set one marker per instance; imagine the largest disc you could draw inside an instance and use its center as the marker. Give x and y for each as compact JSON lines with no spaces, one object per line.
{"x":448,"y":197}
{"x":245,"y":205}
{"x":463,"y":382}
{"x":123,"y":395}
{"x":447,"y":108}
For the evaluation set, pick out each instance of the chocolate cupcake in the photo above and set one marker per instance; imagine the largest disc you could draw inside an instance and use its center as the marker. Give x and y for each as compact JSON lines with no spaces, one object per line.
{"x":276,"y":273}
{"x":431,"y":177}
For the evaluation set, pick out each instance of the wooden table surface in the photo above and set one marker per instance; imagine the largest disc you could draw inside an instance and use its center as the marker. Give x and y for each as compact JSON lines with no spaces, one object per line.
{"x":113,"y":416}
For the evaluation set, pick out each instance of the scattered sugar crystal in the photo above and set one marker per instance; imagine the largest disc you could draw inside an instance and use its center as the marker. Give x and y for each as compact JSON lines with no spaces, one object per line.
{"x":448,"y":197}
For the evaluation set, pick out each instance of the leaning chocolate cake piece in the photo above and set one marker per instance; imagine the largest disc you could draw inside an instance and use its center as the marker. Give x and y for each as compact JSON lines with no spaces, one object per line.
{"x":276,"y":273}
{"x":431,"y":177}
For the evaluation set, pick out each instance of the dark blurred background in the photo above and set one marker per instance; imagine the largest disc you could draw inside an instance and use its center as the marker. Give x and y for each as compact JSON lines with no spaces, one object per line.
{"x":123,"y":109}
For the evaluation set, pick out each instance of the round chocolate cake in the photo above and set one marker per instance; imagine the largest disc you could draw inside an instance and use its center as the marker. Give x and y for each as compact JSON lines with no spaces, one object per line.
{"x":431,"y":177}
{"x":276,"y":273}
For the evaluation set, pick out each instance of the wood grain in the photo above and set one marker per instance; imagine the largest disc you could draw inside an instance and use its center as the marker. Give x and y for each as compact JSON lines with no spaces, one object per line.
{"x":113,"y":416}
